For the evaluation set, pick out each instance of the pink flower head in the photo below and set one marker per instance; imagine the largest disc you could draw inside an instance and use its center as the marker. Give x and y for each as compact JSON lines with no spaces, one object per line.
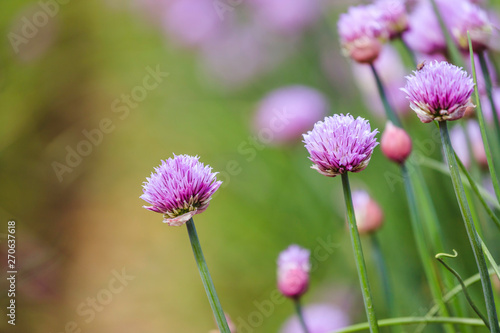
{"x":424,"y":34}
{"x":395,"y":143}
{"x":394,"y":16}
{"x":339,"y":144}
{"x":362,"y":32}
{"x":293,"y":271}
{"x":287,"y":16}
{"x":288,"y":112}
{"x":439,"y":91}
{"x":461,"y":16}
{"x":369,"y":215}
{"x":319,"y":318}
{"x":180,"y":188}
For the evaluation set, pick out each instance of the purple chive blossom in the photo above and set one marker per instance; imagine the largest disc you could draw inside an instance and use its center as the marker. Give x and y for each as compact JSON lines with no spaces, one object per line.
{"x":439,"y":91}
{"x":462,"y":16}
{"x":424,"y":34}
{"x":340,"y":144}
{"x":180,"y":188}
{"x":285,"y":113}
{"x":293,"y":271}
{"x":362,"y":32}
{"x":319,"y":318}
{"x":394,"y":16}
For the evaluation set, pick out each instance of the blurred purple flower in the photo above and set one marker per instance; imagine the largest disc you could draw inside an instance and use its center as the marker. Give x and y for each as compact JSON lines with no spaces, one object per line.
{"x":461,"y":16}
{"x":319,"y":318}
{"x":290,"y":111}
{"x":192,"y":22}
{"x":424,"y":34}
{"x":392,"y":71}
{"x":293,"y":271}
{"x":287,"y":16}
{"x":394,"y":16}
{"x":369,"y":215}
{"x":180,"y":188}
{"x":439,"y":91}
{"x":340,"y":144}
{"x":362,"y":32}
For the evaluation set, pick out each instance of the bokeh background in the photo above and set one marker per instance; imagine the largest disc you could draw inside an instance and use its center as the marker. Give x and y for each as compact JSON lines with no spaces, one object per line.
{"x":81,"y":225}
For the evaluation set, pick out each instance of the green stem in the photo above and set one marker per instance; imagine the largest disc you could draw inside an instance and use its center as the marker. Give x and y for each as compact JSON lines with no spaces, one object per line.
{"x":410,"y":52}
{"x":482,"y":126}
{"x":469,"y":226}
{"x":391,"y":115}
{"x":429,"y":269}
{"x":464,"y":287}
{"x":358,"y":254}
{"x":413,"y":320}
{"x":220,"y":318}
{"x":298,"y":309}
{"x":488,"y":84}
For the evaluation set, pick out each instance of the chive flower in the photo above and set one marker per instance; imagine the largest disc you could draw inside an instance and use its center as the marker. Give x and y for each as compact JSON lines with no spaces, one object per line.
{"x":293,"y":271}
{"x":339,"y":144}
{"x":180,"y":188}
{"x":439,"y":91}
{"x":362,"y":32}
{"x":394,"y":16}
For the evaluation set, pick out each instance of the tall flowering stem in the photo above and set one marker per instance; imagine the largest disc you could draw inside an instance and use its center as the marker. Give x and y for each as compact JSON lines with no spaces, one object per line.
{"x":213,"y":299}
{"x":488,"y":84}
{"x":358,"y":254}
{"x":469,"y":226}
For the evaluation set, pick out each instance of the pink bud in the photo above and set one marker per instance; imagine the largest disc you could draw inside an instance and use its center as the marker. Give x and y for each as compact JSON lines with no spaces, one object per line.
{"x":293,"y":271}
{"x":395,"y":143}
{"x":369,"y":215}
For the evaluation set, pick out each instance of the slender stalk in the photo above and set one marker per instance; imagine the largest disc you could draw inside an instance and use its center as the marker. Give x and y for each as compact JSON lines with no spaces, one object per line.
{"x":426,"y":259}
{"x":220,"y":318}
{"x":358,"y":254}
{"x":488,"y":84}
{"x":469,"y":226}
{"x":391,"y":115}
{"x":452,"y":293}
{"x":298,"y":309}
{"x":410,"y":52}
{"x":462,"y":284}
{"x":482,"y":126}
{"x":413,"y":320}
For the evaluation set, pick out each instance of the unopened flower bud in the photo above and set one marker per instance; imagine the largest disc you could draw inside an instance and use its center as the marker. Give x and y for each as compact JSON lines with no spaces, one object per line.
{"x":395,"y":143}
{"x":293,"y":271}
{"x":369,"y":215}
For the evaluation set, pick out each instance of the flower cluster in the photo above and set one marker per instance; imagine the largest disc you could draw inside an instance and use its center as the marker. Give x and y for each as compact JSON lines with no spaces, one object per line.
{"x":180,"y":188}
{"x":439,"y":91}
{"x":340,"y":144}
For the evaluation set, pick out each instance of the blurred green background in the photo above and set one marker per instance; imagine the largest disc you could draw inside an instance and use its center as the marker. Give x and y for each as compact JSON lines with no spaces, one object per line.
{"x":75,"y":233}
